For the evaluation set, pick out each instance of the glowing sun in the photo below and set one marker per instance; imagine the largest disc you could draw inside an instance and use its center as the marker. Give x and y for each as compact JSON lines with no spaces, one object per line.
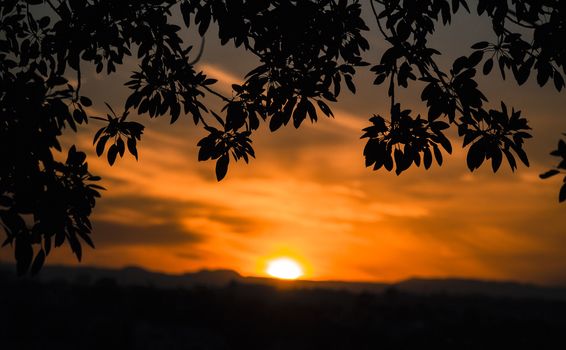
{"x":284,"y":268}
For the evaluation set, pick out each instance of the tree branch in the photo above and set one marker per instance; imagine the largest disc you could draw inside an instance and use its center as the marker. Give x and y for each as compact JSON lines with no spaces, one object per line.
{"x":224,"y":98}
{"x":200,"y":52}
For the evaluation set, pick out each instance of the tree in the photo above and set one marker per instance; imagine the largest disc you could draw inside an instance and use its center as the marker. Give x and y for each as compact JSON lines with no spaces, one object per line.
{"x":304,"y":63}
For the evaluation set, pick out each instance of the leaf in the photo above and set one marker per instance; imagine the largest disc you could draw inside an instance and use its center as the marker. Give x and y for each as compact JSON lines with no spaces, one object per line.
{"x":300,"y":112}
{"x":476,"y":156}
{"x":186,"y":12}
{"x":488,"y":66}
{"x":75,"y":246}
{"x":203,"y":17}
{"x":549,"y":173}
{"x":496,"y":158}
{"x":121,"y":147}
{"x":445,"y":143}
{"x":44,"y":22}
{"x":38,"y":262}
{"x":388,"y":161}
{"x":222,"y":166}
{"x":47,"y":245}
{"x":101,"y":145}
{"x":427,"y":158}
{"x":399,"y":161}
{"x":311,"y":111}
{"x":85,"y":236}
{"x":403,"y":31}
{"x":85,"y":101}
{"x":544,"y":72}
{"x":350,"y":83}
{"x":379,"y":79}
{"x":132,"y":147}
{"x":480,"y":45}
{"x":79,"y":116}
{"x":275,"y":122}
{"x":524,"y":72}
{"x":558,"y":81}
{"x":459,"y":64}
{"x":112,"y":153}
{"x":324,"y":108}
{"x":437,"y":154}
{"x":475,"y":59}
{"x":510,"y":159}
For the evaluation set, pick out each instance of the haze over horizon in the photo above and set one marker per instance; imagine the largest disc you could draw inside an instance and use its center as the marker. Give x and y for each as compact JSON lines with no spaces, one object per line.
{"x":308,"y":195}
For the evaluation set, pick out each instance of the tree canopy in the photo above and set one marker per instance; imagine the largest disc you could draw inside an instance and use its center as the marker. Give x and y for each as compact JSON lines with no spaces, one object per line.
{"x":304,"y":65}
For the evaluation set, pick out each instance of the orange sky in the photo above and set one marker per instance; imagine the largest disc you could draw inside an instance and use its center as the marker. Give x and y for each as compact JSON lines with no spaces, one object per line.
{"x":309,"y":196}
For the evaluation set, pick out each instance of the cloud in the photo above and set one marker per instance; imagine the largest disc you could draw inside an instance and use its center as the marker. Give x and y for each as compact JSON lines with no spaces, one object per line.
{"x":107,"y":233}
{"x":224,"y":77}
{"x":133,"y":219}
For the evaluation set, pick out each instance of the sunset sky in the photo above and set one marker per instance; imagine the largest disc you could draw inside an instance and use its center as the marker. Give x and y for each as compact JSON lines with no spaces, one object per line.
{"x":308,"y":195}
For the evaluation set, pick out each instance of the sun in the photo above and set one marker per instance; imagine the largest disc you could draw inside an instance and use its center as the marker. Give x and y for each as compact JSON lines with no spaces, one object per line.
{"x":284,"y":268}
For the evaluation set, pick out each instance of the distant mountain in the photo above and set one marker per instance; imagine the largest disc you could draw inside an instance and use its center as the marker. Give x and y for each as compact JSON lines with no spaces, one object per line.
{"x":135,"y":276}
{"x":131,"y":276}
{"x":456,"y":286}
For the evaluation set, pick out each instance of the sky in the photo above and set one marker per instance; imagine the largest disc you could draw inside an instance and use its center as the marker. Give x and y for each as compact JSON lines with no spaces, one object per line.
{"x":308,"y":195}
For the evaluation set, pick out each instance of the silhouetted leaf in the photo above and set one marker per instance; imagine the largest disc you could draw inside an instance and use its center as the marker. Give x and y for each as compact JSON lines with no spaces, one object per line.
{"x":222,"y":167}
{"x":112,"y":153}
{"x":475,"y":59}
{"x":101,"y":144}
{"x":350,"y":83}
{"x":85,"y":101}
{"x":496,"y":158}
{"x":300,"y":113}
{"x":427,"y":158}
{"x":325,"y":109}
{"x":380,"y":79}
{"x":558,"y":81}
{"x":480,"y":45}
{"x":476,"y":155}
{"x":276,"y":122}
{"x":488,"y":66}
{"x":549,"y":173}
{"x":510,"y":159}
{"x":437,"y":154}
{"x":459,"y":64}
{"x":38,"y":262}
{"x":132,"y":147}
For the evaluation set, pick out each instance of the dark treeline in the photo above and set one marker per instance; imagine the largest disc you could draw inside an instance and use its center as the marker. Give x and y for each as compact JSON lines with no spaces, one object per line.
{"x":103,"y":315}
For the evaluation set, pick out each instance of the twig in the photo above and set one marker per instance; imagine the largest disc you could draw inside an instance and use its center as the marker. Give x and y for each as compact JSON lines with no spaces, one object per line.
{"x":201,"y":50}
{"x":377,"y":19}
{"x":77,"y":92}
{"x":54,"y":8}
{"x":224,"y":98}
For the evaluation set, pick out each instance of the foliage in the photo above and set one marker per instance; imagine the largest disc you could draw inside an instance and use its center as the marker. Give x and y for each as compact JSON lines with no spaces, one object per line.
{"x":560,"y":152}
{"x":304,"y":63}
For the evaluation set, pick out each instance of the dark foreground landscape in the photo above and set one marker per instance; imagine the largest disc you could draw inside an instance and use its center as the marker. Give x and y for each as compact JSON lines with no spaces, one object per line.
{"x":134,"y":309}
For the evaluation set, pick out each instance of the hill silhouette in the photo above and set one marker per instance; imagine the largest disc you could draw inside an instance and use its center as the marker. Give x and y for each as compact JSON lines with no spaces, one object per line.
{"x":135,"y":276}
{"x":91,"y":308}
